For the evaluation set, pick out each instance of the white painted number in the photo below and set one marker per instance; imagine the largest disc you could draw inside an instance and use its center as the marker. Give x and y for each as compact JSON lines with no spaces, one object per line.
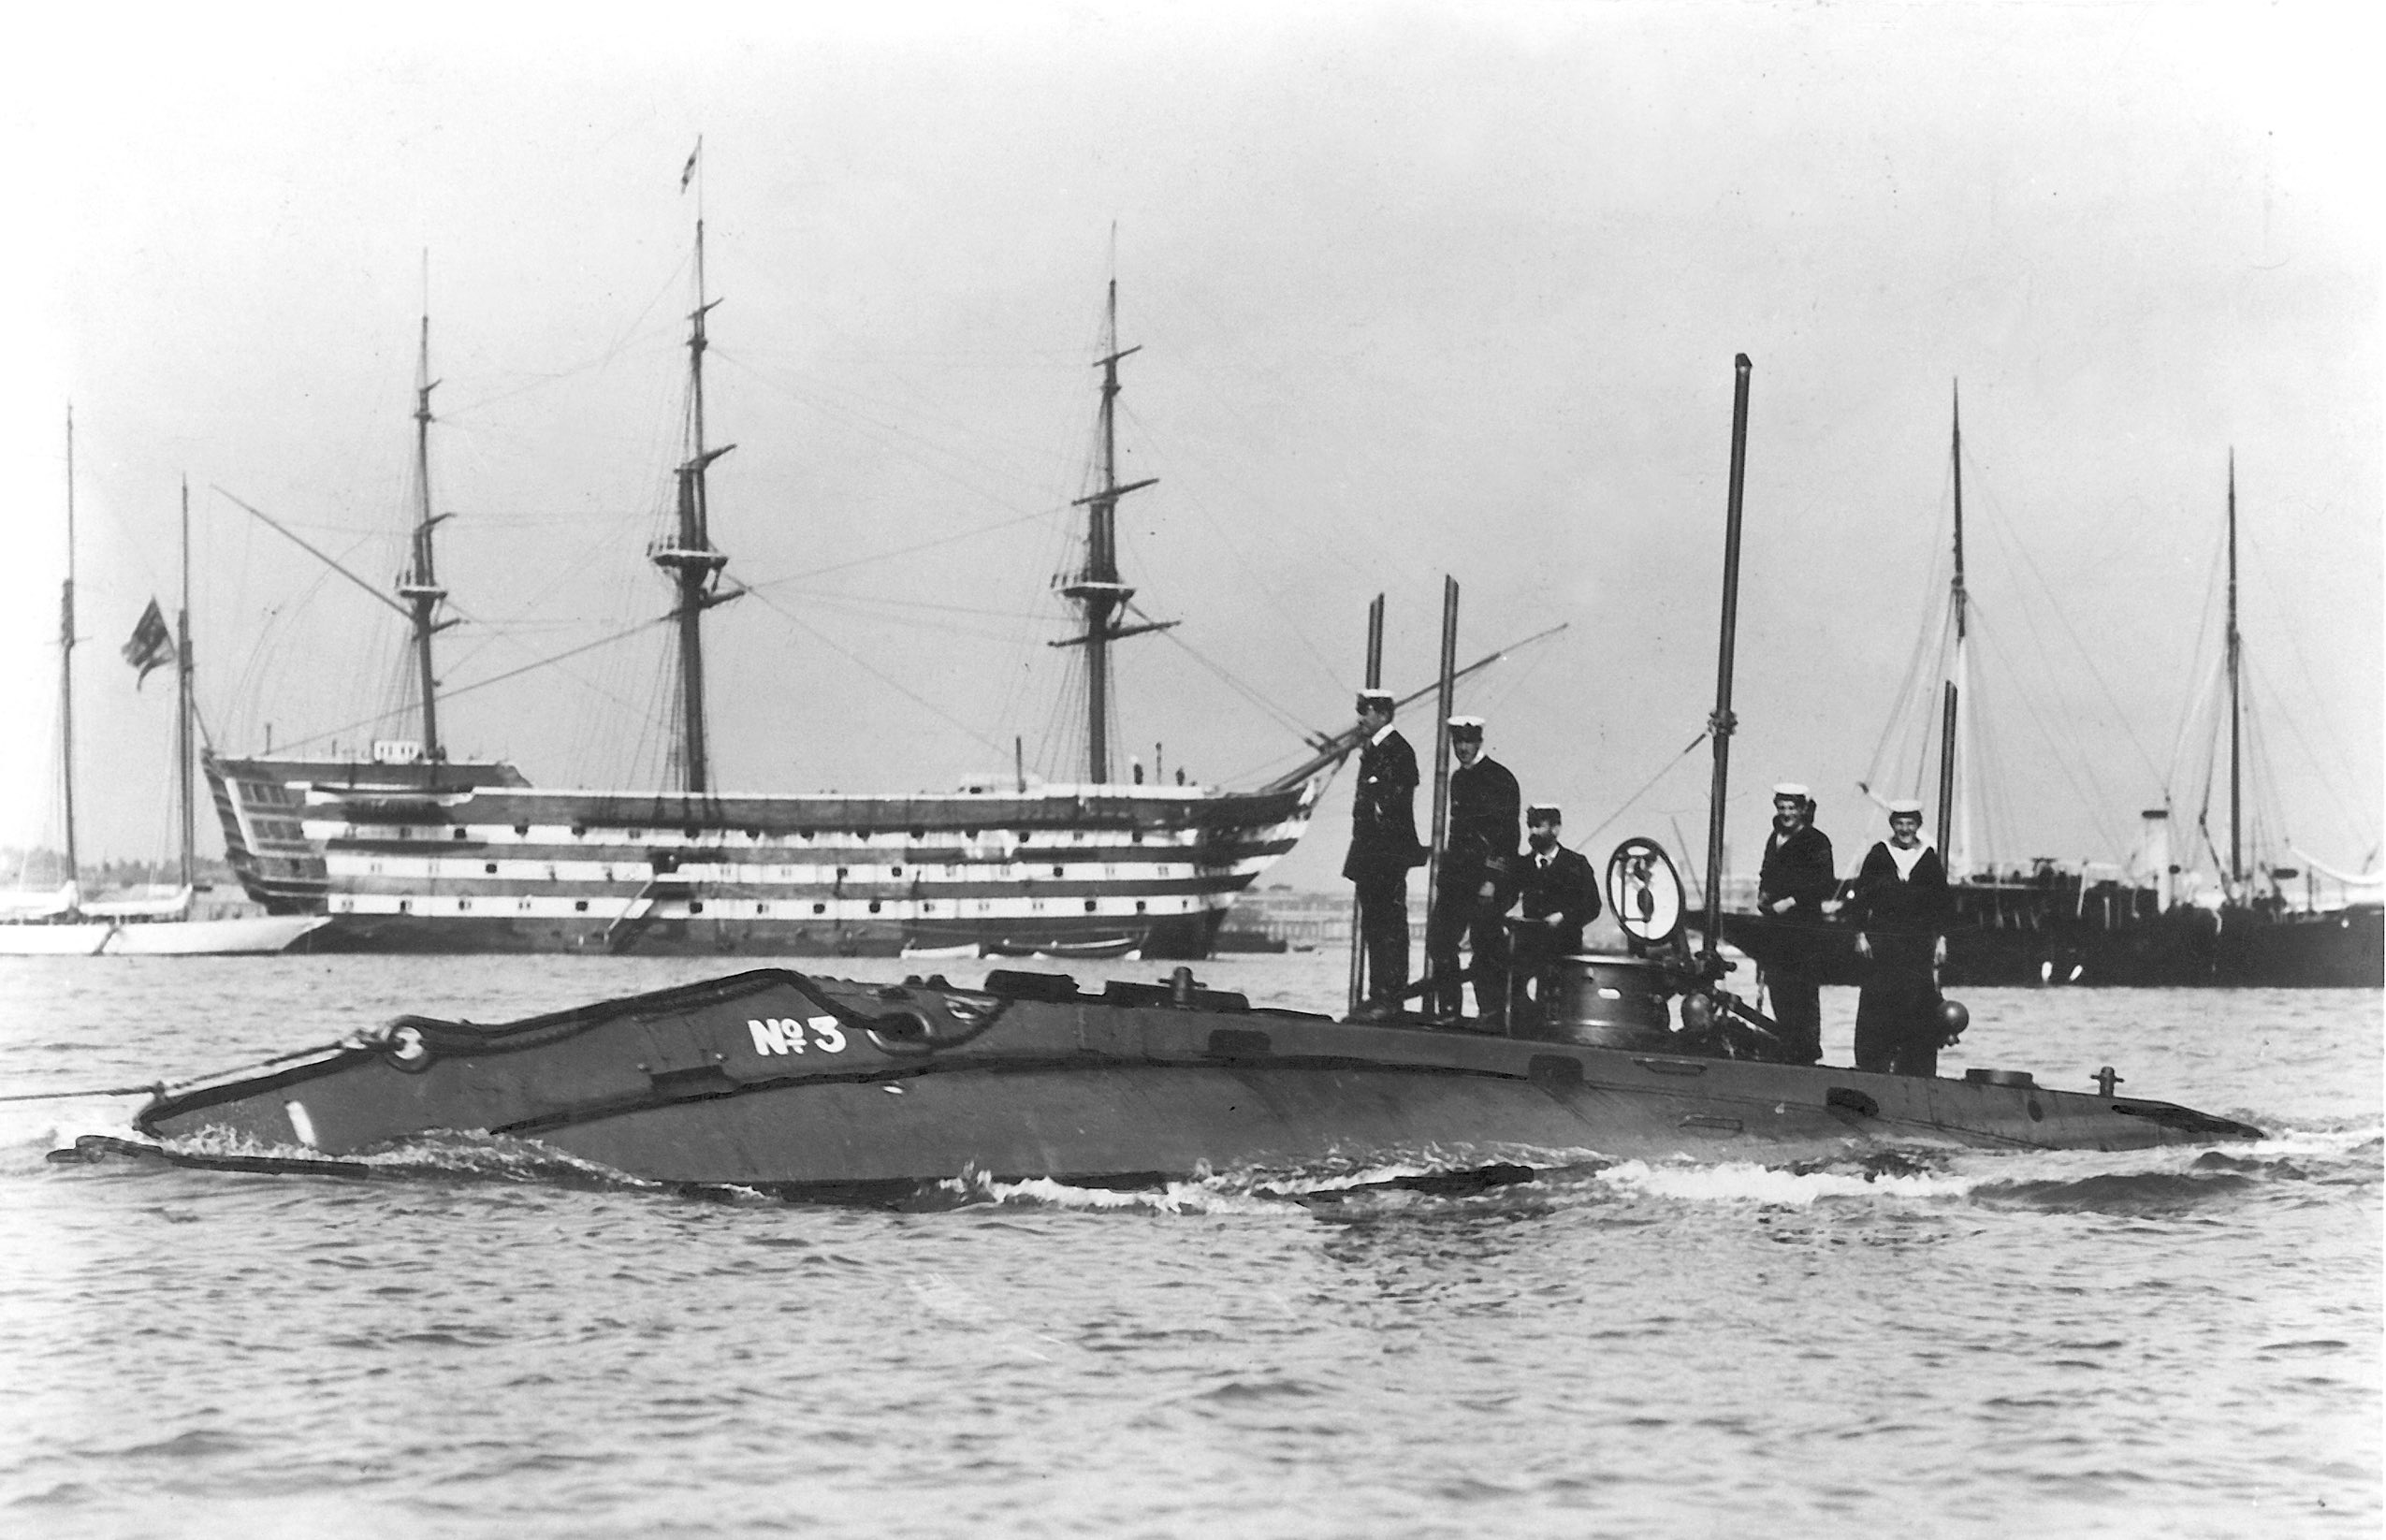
{"x":785,"y":1034}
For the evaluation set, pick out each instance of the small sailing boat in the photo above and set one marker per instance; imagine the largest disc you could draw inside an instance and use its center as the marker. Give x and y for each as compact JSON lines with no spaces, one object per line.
{"x":64,"y":923}
{"x":53,"y":923}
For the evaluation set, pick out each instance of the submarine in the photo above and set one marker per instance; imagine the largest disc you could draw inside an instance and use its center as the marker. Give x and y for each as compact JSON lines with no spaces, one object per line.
{"x":816,"y":1087}
{"x":823,"y":1088}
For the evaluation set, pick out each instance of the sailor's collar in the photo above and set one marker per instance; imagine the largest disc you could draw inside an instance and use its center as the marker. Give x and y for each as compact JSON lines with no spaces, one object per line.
{"x":1380,"y":733}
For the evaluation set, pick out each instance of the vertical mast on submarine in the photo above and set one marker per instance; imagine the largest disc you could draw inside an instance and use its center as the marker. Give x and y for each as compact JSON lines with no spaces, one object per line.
{"x":1445,"y":698}
{"x":1374,"y":681}
{"x":687,"y":556}
{"x":1720,"y":726}
{"x":1096,"y":591}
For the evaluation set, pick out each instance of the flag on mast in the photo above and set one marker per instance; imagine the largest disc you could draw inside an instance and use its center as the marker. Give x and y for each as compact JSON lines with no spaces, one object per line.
{"x":153,"y":645}
{"x":687,"y":172}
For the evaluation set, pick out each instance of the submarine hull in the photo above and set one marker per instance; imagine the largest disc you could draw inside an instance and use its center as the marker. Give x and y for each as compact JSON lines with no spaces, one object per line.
{"x":782,"y":1082}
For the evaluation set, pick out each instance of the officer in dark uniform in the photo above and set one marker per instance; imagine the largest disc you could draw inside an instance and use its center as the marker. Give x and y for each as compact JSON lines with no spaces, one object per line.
{"x":1383,"y":847}
{"x":1559,"y":896}
{"x":1900,"y":912}
{"x":1477,"y":880}
{"x":1797,"y":877}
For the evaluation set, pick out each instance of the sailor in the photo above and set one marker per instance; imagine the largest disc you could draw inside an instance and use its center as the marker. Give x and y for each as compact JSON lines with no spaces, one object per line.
{"x":1477,"y":880}
{"x":1796,"y":878}
{"x":1899,"y":910}
{"x":1559,"y":896}
{"x":1383,"y":848}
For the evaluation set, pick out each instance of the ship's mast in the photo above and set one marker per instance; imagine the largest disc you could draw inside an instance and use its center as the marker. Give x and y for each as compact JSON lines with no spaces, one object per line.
{"x":1096,"y":589}
{"x":1947,"y":728}
{"x":1721,"y":724}
{"x":183,"y":707}
{"x":687,"y":556}
{"x":2236,"y":859}
{"x":419,"y":587}
{"x":66,"y":673}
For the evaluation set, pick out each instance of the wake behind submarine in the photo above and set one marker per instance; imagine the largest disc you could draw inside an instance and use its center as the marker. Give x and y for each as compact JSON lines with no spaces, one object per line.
{"x":783,"y":1081}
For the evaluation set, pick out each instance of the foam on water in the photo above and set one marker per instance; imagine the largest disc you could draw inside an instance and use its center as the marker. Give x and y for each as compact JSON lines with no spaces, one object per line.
{"x":1750,"y":1182}
{"x":61,"y":1134}
{"x":444,"y":1155}
{"x":1203,"y":1196}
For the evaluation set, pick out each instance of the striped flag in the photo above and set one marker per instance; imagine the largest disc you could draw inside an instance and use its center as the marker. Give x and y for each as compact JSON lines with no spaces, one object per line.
{"x":153,"y":645}
{"x":687,"y":172}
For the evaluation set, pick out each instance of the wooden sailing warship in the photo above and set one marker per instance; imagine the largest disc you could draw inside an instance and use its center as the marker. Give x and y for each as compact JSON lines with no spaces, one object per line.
{"x":410,"y":851}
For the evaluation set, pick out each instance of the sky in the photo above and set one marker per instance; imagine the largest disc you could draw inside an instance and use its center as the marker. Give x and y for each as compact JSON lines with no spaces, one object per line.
{"x":1421,"y":291}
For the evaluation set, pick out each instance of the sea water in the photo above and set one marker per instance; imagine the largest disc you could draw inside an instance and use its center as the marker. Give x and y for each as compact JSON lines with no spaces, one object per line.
{"x":2177,"y":1342}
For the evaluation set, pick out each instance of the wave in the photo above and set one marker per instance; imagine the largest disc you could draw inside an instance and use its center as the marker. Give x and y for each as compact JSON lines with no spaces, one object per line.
{"x":445,"y":1156}
{"x":2134,"y":1193}
{"x":1893,"y":1173}
{"x":2315,"y":1164}
{"x":1333,"y":1185}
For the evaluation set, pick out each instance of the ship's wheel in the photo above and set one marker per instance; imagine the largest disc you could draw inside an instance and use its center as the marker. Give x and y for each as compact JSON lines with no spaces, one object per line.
{"x":1644,"y":892}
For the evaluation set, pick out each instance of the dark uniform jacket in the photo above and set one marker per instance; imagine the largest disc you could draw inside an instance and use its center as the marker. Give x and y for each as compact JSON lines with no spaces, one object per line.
{"x":1566,"y":887}
{"x":1912,"y":908}
{"x":1486,"y":821}
{"x":1799,"y":868}
{"x":1383,"y":810}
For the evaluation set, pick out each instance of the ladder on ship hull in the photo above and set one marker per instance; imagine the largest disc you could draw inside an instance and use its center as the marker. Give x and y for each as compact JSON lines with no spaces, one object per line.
{"x":622,"y":933}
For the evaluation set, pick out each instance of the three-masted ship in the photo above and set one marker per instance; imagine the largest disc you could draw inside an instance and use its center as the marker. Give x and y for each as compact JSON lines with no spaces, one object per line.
{"x":410,"y":850}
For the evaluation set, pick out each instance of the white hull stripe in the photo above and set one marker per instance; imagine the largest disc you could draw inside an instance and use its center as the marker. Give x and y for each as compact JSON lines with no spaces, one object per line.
{"x":617,"y":907}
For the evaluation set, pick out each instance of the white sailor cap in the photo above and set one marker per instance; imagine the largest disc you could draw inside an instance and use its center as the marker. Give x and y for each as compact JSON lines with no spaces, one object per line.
{"x":1790,"y":789}
{"x":1466,"y":727}
{"x":1374,"y":697}
{"x":1904,"y":806}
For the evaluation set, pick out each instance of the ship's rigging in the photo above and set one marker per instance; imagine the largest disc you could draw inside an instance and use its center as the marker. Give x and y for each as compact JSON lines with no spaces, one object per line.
{"x":1101,"y":598}
{"x":2221,"y":768}
{"x":2216,"y":782}
{"x":687,"y":556}
{"x":1937,"y":742}
{"x":695,"y":565}
{"x":418,"y":586}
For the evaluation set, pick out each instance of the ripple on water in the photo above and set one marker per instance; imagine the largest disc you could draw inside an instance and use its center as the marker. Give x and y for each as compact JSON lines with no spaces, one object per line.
{"x":2171,"y":1341}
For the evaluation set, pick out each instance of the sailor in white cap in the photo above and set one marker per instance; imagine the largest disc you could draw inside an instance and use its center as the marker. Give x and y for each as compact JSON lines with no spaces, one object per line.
{"x":1797,"y":878}
{"x":1477,"y":880}
{"x":1383,"y":848}
{"x":1901,"y":913}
